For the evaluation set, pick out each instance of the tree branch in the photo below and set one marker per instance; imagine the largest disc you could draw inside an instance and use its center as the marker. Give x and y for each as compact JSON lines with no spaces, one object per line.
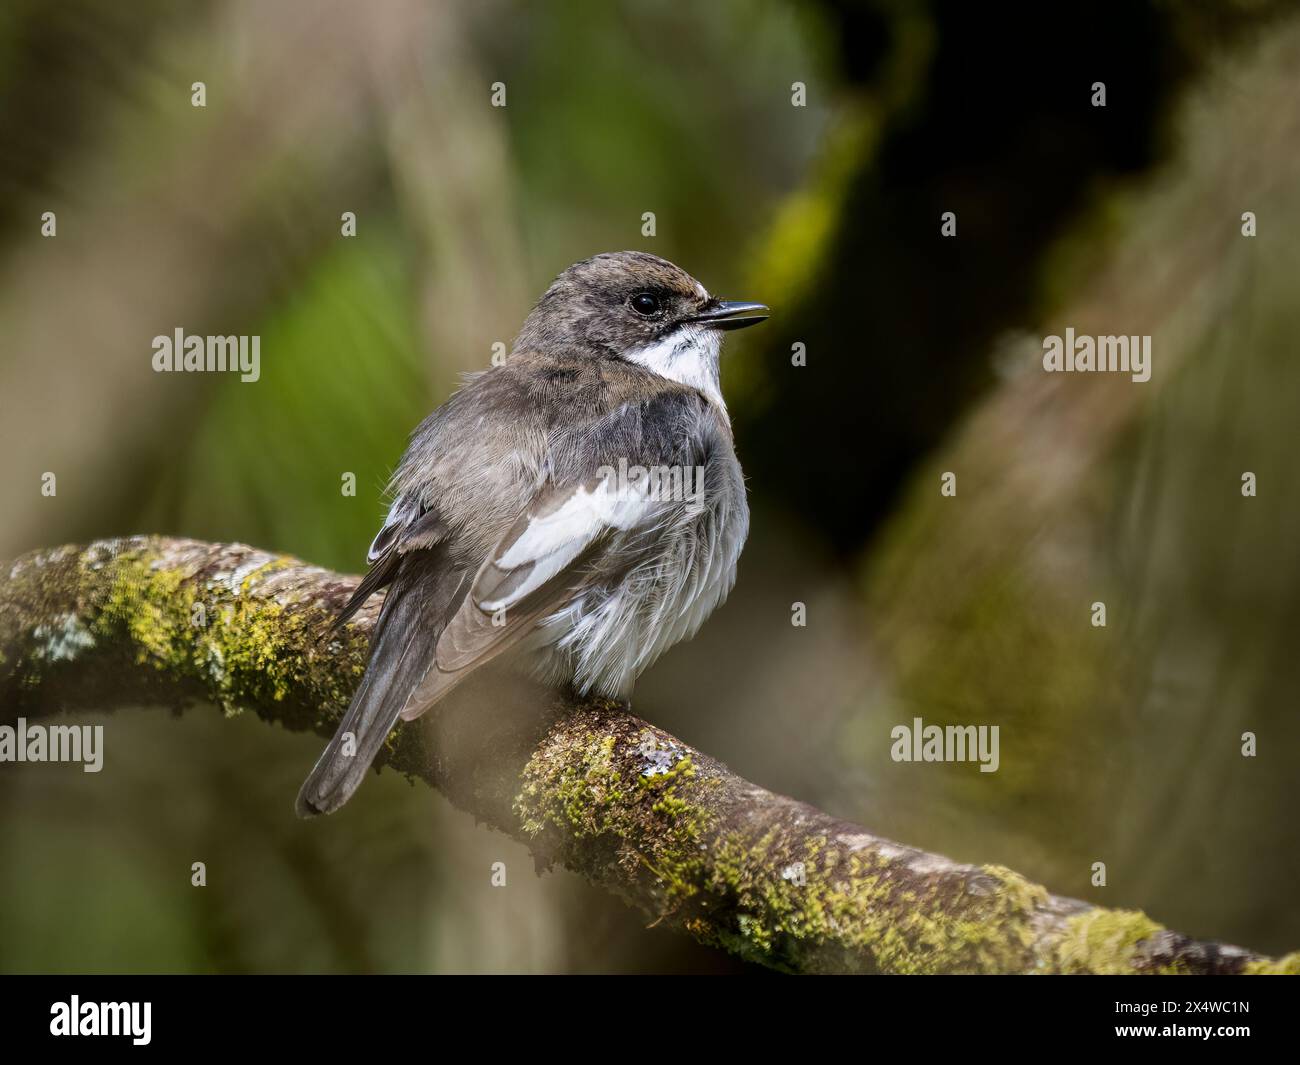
{"x":582,"y":782}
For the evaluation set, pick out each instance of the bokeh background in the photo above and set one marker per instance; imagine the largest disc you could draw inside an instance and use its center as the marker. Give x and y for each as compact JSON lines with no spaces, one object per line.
{"x":1120,"y":745}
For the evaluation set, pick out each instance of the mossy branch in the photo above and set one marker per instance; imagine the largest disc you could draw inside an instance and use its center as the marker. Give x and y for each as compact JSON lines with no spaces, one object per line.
{"x":151,"y":620}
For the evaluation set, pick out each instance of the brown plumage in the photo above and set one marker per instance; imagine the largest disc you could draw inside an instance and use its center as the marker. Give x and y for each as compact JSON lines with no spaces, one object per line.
{"x":508,"y":533}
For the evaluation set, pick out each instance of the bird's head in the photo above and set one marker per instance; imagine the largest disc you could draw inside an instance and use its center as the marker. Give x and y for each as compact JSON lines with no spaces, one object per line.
{"x":637,"y":307}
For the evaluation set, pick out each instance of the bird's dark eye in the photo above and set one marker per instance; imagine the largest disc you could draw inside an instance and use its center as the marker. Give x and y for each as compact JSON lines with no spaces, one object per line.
{"x":646,"y":303}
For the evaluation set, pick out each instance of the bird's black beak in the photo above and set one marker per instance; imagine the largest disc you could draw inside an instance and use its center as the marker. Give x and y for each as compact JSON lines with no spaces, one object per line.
{"x":730,"y":314}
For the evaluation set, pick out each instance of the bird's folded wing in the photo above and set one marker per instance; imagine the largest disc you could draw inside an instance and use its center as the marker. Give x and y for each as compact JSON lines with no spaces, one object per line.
{"x":540,"y":563}
{"x":409,"y":527}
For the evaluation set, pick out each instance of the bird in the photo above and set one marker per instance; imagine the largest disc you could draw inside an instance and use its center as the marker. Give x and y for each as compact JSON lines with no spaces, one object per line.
{"x":542,"y":512}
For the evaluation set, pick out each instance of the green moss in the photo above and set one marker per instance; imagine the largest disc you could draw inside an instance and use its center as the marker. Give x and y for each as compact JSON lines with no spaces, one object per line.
{"x":151,"y":607}
{"x":585,"y":785}
{"x":777,"y":897}
{"x":243,"y":650}
{"x":1106,"y":942}
{"x":1289,"y":965}
{"x":576,"y":794}
{"x":867,"y":906}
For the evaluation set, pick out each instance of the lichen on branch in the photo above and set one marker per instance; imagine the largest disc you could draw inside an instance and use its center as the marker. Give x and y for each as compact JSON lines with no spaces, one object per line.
{"x":584,"y":783}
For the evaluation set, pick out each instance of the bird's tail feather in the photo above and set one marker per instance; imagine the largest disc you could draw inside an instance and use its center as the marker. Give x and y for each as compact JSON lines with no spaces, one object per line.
{"x":417,"y":606}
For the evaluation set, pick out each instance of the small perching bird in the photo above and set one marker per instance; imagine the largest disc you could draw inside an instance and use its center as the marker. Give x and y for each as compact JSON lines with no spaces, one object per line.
{"x":579,"y":505}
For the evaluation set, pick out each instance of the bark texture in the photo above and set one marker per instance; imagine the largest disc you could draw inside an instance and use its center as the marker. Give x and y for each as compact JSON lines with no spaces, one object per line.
{"x":584,"y":783}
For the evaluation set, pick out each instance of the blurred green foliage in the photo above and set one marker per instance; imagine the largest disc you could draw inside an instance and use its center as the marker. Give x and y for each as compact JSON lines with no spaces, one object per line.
{"x":341,"y":387}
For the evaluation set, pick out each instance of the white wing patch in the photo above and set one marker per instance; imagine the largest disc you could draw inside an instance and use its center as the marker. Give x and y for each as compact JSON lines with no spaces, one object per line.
{"x":553,"y":540}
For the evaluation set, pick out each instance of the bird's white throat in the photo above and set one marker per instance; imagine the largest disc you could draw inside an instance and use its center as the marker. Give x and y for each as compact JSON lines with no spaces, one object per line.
{"x":688,"y":355}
